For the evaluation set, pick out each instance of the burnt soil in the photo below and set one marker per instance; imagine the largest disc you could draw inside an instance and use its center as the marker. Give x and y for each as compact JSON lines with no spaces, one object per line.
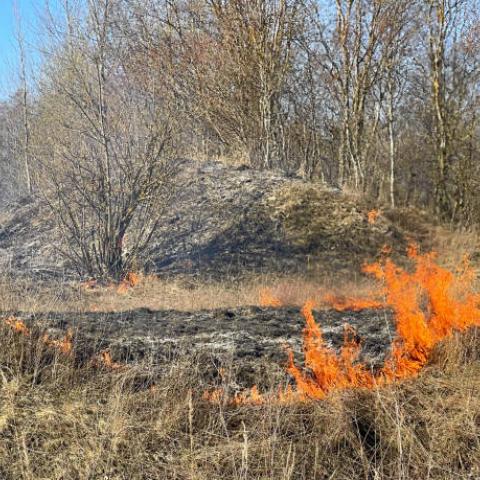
{"x":251,"y":341}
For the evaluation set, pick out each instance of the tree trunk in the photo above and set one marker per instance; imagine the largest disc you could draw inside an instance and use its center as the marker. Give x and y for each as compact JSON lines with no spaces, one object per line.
{"x":391,"y":139}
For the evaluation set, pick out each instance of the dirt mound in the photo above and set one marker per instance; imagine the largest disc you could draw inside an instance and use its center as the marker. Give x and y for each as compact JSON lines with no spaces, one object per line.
{"x":227,"y":221}
{"x":338,"y":232}
{"x":247,"y":338}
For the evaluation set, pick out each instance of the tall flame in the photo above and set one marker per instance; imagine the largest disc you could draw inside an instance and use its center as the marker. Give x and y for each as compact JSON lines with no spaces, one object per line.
{"x":430,"y":303}
{"x":329,"y":370}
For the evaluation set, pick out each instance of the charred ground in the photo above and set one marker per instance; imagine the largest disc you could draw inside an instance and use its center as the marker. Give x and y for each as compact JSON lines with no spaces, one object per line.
{"x":250,"y":340}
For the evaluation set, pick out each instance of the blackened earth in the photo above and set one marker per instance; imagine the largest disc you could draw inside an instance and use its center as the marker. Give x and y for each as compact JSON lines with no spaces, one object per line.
{"x":249,"y":341}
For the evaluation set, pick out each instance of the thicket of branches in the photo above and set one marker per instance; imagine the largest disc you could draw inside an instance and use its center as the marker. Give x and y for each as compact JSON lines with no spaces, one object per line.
{"x":377,"y":95}
{"x":380,"y":96}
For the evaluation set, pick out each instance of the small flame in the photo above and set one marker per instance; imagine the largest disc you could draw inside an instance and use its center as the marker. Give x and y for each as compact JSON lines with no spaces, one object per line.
{"x":108,"y":362}
{"x":250,"y":397}
{"x":372,"y":216}
{"x":65,"y":345}
{"x":342,"y":303}
{"x":17,"y":325}
{"x":268,"y":300}
{"x":216,"y":396}
{"x":131,"y":280}
{"x":386,"y":249}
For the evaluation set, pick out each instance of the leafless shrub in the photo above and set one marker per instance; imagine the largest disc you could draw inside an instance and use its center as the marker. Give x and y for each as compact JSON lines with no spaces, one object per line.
{"x":104,"y":146}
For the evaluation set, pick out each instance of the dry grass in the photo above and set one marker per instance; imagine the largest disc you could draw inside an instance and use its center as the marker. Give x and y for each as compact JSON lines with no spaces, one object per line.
{"x":453,"y":246}
{"x":158,"y":294}
{"x":234,"y":158}
{"x":190,"y":295}
{"x":62,"y":421}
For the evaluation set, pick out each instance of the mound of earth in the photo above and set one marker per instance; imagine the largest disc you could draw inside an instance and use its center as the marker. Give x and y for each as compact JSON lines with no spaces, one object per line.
{"x":227,"y":221}
{"x":249,"y":338}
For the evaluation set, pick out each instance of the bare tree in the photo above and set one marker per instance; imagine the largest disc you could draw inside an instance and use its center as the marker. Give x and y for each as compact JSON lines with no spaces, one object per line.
{"x":352,"y":59}
{"x":447,"y":22}
{"x":12,"y":181}
{"x":398,"y":31}
{"x":232,"y":61}
{"x":25,"y":100}
{"x":105,"y":148}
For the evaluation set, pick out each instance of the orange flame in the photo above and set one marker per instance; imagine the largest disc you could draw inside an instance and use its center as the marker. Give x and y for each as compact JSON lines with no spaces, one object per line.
{"x":65,"y":345}
{"x":342,"y":303}
{"x":430,"y":304}
{"x":268,"y":300}
{"x":386,"y":249}
{"x":131,"y":280}
{"x":251,"y":397}
{"x":329,"y":370}
{"x":219,"y":396}
{"x":108,"y":362}
{"x":372,"y":216}
{"x":450,"y":305}
{"x":216,"y":395}
{"x":17,"y":325}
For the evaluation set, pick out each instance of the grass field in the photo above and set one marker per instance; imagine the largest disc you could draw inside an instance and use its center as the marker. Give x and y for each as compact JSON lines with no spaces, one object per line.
{"x":62,"y":421}
{"x":65,"y":419}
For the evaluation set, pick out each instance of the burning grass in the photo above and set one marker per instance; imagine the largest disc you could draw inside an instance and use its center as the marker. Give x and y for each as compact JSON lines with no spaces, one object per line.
{"x":372,"y":216}
{"x":23,"y":295}
{"x":430,"y":304}
{"x":62,"y":420}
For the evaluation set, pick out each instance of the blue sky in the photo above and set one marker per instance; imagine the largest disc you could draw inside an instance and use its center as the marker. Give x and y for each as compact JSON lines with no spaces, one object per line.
{"x":29,"y":11}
